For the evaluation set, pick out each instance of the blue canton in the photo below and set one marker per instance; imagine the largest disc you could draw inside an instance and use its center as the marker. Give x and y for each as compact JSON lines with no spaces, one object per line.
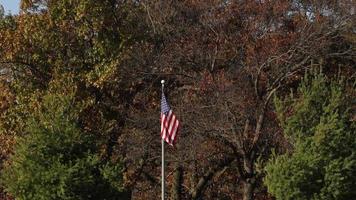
{"x":164,"y":105}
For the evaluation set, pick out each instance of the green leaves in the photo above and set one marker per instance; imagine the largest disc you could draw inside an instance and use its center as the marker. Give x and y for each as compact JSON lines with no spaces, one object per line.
{"x":65,"y":56}
{"x":323,"y":163}
{"x":2,"y":11}
{"x":57,"y":160}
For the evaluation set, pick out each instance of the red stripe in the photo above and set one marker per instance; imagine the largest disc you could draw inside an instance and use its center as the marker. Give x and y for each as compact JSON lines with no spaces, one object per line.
{"x":163,"y":129}
{"x":172,"y":130}
{"x":164,"y":132}
{"x":169,"y":127}
{"x":175,"y":136}
{"x":169,"y":118}
{"x":162,"y":118}
{"x":170,"y":114}
{"x":174,"y":133}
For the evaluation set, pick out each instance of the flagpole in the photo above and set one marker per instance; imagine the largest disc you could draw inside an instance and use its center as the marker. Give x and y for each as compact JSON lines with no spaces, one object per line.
{"x":163,"y":163}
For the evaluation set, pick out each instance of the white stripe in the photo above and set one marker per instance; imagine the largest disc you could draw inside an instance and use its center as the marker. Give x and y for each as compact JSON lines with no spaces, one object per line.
{"x":167,"y":138}
{"x":164,"y":133}
{"x":168,"y":118}
{"x":174,"y":133}
{"x":169,"y":127}
{"x":173,"y":120}
{"x":163,"y":129}
{"x":162,"y":120}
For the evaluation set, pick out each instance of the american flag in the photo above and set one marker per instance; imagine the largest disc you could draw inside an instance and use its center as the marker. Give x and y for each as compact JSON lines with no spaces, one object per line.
{"x":169,"y":122}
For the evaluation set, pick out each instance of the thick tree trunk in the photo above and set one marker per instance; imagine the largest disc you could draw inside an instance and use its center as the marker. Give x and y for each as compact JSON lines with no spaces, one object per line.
{"x":249,"y":180}
{"x":203,"y":181}
{"x":126,"y":195}
{"x":177,"y":183}
{"x":196,"y":192}
{"x":248,"y":187}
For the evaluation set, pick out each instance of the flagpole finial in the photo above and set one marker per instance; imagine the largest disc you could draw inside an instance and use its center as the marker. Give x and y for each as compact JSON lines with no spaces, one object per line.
{"x":162,"y":81}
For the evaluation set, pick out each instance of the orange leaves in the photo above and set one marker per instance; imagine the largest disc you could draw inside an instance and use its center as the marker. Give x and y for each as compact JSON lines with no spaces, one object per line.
{"x":6,"y":141}
{"x":214,"y":82}
{"x":6,"y":97}
{"x":25,"y":4}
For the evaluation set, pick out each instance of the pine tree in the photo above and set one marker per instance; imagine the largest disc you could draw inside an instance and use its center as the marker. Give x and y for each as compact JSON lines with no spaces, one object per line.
{"x":57,"y":160}
{"x":2,"y":11}
{"x":323,"y":163}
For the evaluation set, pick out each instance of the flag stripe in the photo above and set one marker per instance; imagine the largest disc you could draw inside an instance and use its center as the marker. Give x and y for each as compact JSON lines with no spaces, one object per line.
{"x":165,"y":124}
{"x":169,"y":118}
{"x":171,"y":131}
{"x":162,"y":120}
{"x":172,"y":122}
{"x":174,"y":133}
{"x":169,"y":123}
{"x":163,"y":132}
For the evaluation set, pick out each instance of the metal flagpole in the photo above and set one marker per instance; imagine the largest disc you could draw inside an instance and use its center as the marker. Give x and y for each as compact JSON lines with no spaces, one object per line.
{"x":163,"y":164}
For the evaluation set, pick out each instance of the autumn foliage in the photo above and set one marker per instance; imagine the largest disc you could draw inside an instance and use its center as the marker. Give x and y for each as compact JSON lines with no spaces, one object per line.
{"x":224,"y":63}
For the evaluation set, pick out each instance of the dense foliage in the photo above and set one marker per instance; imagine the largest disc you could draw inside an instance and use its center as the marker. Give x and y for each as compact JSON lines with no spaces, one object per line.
{"x":57,"y":160}
{"x":223,"y":61}
{"x":323,"y":162}
{"x":2,"y":11}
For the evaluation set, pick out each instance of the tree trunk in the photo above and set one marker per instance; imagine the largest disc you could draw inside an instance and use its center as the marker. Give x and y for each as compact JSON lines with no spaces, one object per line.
{"x":248,"y":187}
{"x":126,"y":195}
{"x":197,"y":191}
{"x":177,"y":183}
{"x":249,"y":180}
{"x":203,"y":181}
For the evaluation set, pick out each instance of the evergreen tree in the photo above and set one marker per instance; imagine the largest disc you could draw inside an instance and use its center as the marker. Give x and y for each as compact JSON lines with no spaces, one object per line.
{"x":323,"y":163}
{"x":57,"y":160}
{"x":2,"y":11}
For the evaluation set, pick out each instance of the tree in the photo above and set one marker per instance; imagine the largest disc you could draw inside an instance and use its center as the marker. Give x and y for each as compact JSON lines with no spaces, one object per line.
{"x":323,"y":162}
{"x":216,"y":55}
{"x":88,"y":39}
{"x":57,"y":160}
{"x":2,"y":11}
{"x":226,"y":60}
